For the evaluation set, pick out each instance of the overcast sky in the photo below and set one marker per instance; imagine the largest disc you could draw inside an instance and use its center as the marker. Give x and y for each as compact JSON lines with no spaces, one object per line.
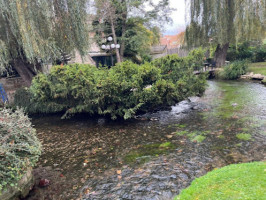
{"x":178,"y":17}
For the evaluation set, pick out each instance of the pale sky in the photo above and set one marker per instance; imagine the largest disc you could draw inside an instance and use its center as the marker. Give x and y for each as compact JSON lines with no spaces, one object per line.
{"x":178,"y":17}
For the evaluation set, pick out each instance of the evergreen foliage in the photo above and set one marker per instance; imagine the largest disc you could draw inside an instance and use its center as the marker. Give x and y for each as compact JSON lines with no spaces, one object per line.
{"x":19,"y":148}
{"x":121,"y":91}
{"x":234,"y":70}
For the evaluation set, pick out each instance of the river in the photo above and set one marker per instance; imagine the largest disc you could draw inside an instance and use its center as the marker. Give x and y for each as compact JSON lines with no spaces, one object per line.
{"x":155,"y":155}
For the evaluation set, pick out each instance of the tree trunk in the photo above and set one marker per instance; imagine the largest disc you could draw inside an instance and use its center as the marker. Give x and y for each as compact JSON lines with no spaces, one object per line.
{"x":123,"y":42}
{"x":124,"y":27}
{"x":220,"y":54}
{"x":25,"y":70}
{"x":115,"y":40}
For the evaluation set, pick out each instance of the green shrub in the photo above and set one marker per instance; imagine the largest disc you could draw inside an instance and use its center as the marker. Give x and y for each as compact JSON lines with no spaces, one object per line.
{"x":19,"y":148}
{"x":234,"y":70}
{"x":194,"y":61}
{"x":237,"y":181}
{"x":259,"y":54}
{"x":196,"y":58}
{"x":242,"y":51}
{"x":121,"y":91}
{"x":22,"y":98}
{"x":246,"y":51}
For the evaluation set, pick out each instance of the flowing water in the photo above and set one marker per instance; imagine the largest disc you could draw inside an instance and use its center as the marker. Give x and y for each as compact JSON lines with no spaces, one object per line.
{"x":157,"y":154}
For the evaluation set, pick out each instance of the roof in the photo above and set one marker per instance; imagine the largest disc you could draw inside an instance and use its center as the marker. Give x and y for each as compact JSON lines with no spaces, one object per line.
{"x":173,"y":41}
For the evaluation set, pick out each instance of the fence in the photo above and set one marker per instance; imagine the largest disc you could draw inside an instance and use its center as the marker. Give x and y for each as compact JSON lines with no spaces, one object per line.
{"x":181,"y":52}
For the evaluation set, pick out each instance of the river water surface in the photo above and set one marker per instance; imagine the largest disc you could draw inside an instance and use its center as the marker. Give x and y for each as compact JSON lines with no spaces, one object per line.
{"x":155,"y":155}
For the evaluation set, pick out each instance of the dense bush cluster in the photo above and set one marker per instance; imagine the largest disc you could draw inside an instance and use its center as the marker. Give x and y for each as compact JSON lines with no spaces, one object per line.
{"x":194,"y":61}
{"x":19,"y":148}
{"x":121,"y":91}
{"x":234,"y":70}
{"x":246,"y":51}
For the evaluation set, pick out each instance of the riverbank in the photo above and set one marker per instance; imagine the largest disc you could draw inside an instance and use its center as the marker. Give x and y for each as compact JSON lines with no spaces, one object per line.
{"x":239,"y":181}
{"x":258,"y":68}
{"x":256,"y":71}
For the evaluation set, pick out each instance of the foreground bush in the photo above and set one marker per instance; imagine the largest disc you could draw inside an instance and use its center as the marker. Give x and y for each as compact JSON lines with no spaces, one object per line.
{"x":238,"y":181}
{"x":19,"y":148}
{"x":234,"y":70}
{"x":121,"y":91}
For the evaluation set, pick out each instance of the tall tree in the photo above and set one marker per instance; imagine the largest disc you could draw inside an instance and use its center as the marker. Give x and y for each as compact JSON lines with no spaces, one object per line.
{"x":118,"y":14}
{"x":33,"y":32}
{"x":139,"y":39}
{"x":223,"y":22}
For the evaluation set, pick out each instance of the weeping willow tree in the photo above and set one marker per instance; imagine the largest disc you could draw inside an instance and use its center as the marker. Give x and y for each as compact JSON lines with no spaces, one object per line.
{"x":222,"y":22}
{"x":33,"y":32}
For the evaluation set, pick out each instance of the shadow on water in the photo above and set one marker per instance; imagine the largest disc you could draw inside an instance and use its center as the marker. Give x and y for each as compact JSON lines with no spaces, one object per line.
{"x":157,"y":154}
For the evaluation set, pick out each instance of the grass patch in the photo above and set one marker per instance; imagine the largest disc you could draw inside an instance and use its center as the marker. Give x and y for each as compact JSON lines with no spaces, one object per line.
{"x":165,"y":145}
{"x":243,"y":136}
{"x":180,"y":125}
{"x":199,"y":138}
{"x":194,"y":136}
{"x":180,"y":133}
{"x":258,"y":68}
{"x":221,"y":136}
{"x":238,"y":181}
{"x":145,"y":152}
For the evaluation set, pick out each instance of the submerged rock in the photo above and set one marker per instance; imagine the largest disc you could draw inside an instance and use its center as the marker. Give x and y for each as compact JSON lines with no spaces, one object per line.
{"x":44,"y":183}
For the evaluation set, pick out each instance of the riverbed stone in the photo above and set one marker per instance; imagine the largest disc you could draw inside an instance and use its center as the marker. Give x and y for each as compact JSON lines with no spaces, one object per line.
{"x":160,"y":178}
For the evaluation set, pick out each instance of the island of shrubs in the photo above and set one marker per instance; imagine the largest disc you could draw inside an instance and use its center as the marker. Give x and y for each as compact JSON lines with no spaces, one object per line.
{"x":119,"y":92}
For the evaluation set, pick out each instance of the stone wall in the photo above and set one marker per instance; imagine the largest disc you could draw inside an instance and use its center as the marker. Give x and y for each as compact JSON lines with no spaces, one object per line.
{"x":11,"y":85}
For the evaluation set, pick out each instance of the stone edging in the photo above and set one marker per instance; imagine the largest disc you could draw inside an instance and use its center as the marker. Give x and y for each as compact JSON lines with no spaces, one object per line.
{"x":253,"y":76}
{"x":24,"y":186}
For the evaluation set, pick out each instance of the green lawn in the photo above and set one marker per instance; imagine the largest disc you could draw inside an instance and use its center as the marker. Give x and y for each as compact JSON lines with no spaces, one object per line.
{"x":238,"y":181}
{"x":258,"y":68}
